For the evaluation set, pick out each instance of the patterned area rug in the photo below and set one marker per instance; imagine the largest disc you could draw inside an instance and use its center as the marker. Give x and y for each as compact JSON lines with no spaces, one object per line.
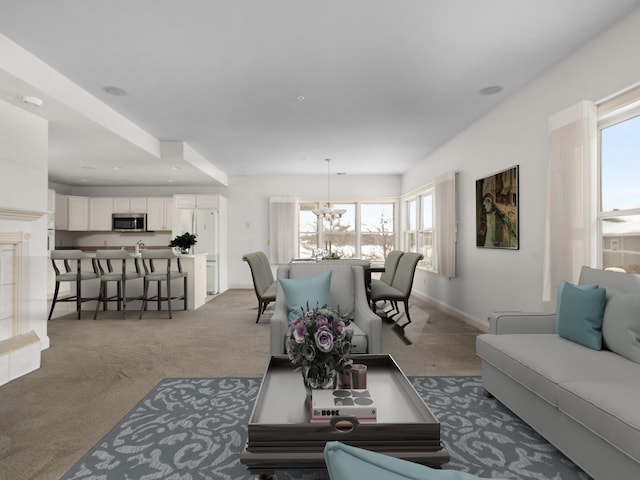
{"x":195,"y":429}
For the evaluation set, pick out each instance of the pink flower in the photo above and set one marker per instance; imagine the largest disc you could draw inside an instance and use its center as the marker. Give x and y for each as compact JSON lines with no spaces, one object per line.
{"x":322,"y":321}
{"x":299,"y":331}
{"x":324,"y":339}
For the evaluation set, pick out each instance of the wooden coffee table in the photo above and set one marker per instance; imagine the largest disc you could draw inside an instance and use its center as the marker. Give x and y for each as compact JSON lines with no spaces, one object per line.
{"x":280,"y":436}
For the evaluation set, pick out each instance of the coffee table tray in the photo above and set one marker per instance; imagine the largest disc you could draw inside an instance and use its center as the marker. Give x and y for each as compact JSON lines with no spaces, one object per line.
{"x":280,"y":433}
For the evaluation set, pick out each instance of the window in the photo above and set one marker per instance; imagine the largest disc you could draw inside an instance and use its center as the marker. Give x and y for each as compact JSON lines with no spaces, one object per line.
{"x":307,"y":230}
{"x":377,"y":236}
{"x":419,"y":225}
{"x":619,"y":212}
{"x":365,"y":230}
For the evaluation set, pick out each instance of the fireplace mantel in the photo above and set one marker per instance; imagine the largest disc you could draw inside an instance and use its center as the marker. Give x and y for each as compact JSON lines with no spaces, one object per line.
{"x":23,"y":215}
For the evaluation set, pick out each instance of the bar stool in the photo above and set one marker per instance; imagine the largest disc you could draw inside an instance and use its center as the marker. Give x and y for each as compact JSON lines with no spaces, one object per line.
{"x":70,"y":274}
{"x":120,"y":275}
{"x":158,"y":268}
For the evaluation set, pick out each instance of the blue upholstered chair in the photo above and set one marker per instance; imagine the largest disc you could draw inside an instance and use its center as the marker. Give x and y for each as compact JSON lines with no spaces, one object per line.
{"x":345,"y":462}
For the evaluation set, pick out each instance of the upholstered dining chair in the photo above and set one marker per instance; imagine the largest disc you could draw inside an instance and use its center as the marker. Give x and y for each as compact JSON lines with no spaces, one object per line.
{"x":159,"y":267}
{"x":390,"y":266}
{"x":400,"y":288}
{"x":113,"y":268}
{"x":62,"y":261}
{"x":263,"y":281}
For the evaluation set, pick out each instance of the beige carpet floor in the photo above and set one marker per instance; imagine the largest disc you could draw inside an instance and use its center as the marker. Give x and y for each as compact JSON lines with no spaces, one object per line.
{"x":96,"y":371}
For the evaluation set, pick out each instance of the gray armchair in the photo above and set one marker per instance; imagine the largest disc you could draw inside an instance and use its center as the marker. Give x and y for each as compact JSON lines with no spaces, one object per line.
{"x":400,"y":288}
{"x":347,"y":294}
{"x":263,"y":281}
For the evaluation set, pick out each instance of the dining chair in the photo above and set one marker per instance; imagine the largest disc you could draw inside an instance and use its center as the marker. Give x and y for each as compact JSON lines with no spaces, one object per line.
{"x":400,"y":288}
{"x":118,"y":274}
{"x":263,"y":282}
{"x":62,"y":261}
{"x":388,"y":272}
{"x":159,"y":267}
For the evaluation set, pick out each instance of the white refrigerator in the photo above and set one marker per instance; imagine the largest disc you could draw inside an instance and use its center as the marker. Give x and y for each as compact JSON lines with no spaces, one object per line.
{"x":205,"y":224}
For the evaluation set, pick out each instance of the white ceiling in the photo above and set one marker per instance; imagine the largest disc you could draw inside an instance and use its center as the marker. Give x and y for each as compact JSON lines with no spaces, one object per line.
{"x":384,"y":82}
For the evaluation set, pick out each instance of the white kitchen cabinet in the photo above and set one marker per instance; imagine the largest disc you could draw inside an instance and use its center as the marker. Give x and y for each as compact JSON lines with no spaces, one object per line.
{"x":169,"y":209}
{"x":196,"y":201}
{"x":62,"y":212}
{"x":206,"y":201}
{"x":100,"y":212}
{"x":159,"y":213}
{"x":185,"y":201}
{"x":130,"y":205}
{"x":78,"y":213}
{"x":51,"y":208}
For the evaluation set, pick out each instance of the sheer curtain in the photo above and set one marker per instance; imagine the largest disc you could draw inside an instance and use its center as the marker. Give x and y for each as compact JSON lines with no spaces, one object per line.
{"x":445,"y":224}
{"x":570,"y":220}
{"x":283,"y":228}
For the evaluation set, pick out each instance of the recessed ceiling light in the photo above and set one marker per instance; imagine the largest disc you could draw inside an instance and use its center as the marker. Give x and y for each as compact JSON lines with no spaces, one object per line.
{"x":170,"y":180}
{"x":175,"y":167}
{"x":116,"y":91}
{"x":301,"y":98}
{"x":117,"y":168}
{"x":35,"y":101}
{"x":492,"y":90}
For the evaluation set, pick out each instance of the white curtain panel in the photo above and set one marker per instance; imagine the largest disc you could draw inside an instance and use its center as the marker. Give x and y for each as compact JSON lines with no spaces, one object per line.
{"x":571,"y":207}
{"x":445,"y":225}
{"x":283,"y":228}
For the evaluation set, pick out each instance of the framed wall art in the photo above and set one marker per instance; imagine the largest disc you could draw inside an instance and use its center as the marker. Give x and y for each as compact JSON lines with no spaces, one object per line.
{"x":497,"y":216}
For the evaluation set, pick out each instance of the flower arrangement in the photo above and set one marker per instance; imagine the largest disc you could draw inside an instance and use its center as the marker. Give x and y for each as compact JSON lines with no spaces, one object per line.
{"x":320,"y":343}
{"x":184,"y":242}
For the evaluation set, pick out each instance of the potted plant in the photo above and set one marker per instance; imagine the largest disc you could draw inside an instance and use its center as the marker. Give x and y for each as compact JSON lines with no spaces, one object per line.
{"x":184,"y":242}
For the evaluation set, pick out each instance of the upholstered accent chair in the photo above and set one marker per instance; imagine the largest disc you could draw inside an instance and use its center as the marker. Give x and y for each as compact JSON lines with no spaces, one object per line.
{"x":348,"y":296}
{"x":400,"y":288}
{"x":263,"y":282}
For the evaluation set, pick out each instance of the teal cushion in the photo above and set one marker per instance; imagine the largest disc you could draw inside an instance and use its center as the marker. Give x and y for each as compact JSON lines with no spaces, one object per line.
{"x":621,"y":325}
{"x":580,"y":312}
{"x":345,"y":462}
{"x":303,"y":294}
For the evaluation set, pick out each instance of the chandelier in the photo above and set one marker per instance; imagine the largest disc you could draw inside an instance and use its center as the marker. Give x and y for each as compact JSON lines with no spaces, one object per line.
{"x":326,"y":211}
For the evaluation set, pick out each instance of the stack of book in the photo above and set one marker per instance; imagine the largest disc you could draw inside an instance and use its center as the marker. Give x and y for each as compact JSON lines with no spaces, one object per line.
{"x":327,"y":404}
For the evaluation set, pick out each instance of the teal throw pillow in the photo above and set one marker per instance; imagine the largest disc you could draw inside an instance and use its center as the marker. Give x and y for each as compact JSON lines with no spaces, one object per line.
{"x":580,"y":312}
{"x":303,"y":294}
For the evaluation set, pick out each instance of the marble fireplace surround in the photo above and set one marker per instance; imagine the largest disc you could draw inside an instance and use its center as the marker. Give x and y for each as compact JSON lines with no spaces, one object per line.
{"x":19,"y":346}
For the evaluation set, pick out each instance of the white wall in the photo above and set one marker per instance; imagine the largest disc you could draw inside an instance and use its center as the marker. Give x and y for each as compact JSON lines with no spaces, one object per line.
{"x":516,"y":133}
{"x":23,"y":156}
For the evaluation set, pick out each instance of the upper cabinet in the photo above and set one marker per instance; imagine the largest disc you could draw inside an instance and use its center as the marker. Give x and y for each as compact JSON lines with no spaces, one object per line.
{"x":129,"y":204}
{"x":160,"y":213}
{"x":78,"y":213}
{"x":62,"y":212}
{"x":196,"y":201}
{"x":100,"y":210}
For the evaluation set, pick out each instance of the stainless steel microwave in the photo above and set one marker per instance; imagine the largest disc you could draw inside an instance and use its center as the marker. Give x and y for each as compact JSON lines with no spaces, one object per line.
{"x":129,"y":222}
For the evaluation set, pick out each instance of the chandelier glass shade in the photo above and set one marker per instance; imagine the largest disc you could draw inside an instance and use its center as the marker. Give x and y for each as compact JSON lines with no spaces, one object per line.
{"x":327,"y":211}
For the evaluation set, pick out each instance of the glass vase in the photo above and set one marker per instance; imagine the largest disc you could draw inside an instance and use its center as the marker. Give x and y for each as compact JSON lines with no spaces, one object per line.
{"x":318,"y":377}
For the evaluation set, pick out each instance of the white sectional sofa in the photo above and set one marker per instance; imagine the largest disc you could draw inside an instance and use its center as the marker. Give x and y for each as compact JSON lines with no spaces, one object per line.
{"x":586,"y":402}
